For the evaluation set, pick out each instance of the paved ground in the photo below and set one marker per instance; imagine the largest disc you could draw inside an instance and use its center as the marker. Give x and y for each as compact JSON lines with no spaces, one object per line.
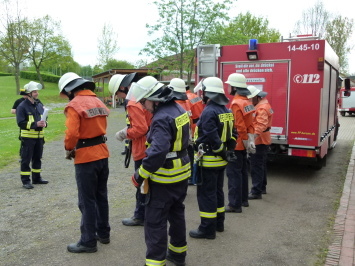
{"x":341,"y":251}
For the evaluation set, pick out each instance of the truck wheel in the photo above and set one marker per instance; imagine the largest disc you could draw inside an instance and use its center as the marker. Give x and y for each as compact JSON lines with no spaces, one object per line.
{"x":320,"y":163}
{"x":342,"y":113}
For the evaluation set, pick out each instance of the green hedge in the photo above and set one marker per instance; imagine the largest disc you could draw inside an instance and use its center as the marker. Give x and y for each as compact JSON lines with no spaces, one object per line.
{"x":5,"y":74}
{"x":32,"y":75}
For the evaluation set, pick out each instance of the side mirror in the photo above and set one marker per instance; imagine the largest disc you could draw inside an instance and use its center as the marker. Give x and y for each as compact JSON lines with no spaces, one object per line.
{"x":347,"y":84}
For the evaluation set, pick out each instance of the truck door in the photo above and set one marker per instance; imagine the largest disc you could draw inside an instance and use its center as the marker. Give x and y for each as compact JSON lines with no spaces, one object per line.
{"x":271,"y":77}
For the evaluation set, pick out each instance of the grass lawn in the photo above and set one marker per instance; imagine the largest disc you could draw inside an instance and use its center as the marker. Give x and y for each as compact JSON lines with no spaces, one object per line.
{"x":9,"y":132}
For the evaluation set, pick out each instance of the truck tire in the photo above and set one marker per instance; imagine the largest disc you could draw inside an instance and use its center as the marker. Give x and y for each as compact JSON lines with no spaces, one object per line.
{"x":342,"y":113}
{"x":320,"y":163}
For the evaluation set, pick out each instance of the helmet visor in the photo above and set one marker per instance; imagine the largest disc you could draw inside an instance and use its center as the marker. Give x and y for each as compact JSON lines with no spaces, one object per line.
{"x":137,"y":92}
{"x":198,"y":86}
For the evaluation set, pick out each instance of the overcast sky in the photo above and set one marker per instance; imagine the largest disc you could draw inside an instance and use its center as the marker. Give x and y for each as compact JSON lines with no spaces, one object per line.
{"x":82,"y":21}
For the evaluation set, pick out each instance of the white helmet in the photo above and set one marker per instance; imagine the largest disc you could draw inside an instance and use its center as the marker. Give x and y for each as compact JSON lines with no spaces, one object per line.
{"x":237,"y":80}
{"x":144,"y":88}
{"x":179,"y":87}
{"x":119,"y":80}
{"x":212,"y":88}
{"x":255,"y":92}
{"x":70,"y":81}
{"x":32,"y":86}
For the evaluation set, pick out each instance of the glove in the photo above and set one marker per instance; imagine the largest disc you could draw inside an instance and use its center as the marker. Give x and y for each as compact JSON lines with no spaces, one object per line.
{"x":122,"y":134}
{"x":69,"y":154}
{"x":245,"y":142}
{"x":231,"y":157}
{"x":137,"y":180}
{"x":251,"y":144}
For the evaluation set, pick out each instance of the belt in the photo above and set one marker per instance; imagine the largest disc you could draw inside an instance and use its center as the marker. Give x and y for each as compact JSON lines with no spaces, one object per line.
{"x":82,"y":143}
{"x":176,"y":154}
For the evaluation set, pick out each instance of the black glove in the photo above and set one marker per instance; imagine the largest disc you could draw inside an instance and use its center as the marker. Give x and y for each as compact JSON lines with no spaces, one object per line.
{"x":231,"y":143}
{"x":137,"y":180}
{"x":231,"y":157}
{"x":223,"y":154}
{"x":70,"y":154}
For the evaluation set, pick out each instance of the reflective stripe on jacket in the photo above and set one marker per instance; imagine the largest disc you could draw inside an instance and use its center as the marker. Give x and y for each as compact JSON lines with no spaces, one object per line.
{"x":27,"y":116}
{"x":169,"y":132}
{"x":214,"y":128}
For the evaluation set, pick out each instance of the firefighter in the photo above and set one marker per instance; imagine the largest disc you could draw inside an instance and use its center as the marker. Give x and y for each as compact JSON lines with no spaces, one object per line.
{"x":29,"y":119}
{"x":138,"y":121}
{"x":237,"y":172}
{"x":262,"y":125}
{"x":166,"y":168}
{"x":180,"y":95}
{"x":214,"y":131}
{"x":86,"y":123}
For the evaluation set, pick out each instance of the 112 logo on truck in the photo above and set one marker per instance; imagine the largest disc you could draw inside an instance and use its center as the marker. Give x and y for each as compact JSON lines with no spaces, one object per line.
{"x":306,"y":78}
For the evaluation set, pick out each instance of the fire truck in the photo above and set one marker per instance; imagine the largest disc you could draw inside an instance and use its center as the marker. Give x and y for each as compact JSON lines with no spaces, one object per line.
{"x":347,"y":103}
{"x":301,"y":77}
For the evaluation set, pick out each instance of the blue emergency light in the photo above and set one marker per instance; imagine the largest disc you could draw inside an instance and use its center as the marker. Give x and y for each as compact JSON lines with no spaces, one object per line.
{"x":252,"y":52}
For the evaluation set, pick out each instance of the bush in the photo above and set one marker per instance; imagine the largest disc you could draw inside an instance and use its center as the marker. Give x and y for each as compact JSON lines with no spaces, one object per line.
{"x":5,"y":74}
{"x":32,"y":75}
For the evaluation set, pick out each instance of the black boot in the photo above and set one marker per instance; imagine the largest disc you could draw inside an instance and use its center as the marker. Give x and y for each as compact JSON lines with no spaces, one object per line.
{"x":176,"y":258}
{"x":78,"y":248}
{"x":199,"y":234}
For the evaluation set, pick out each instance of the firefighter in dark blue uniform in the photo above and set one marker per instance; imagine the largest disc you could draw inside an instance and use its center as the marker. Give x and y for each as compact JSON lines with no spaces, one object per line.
{"x":166,"y":169}
{"x":28,"y":115}
{"x":215,"y":135}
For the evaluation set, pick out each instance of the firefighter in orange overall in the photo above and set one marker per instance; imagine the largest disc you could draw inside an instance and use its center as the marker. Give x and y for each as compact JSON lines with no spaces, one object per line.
{"x":196,"y":106}
{"x":138,"y":121}
{"x":166,"y":168}
{"x":86,"y":122}
{"x":237,"y":171}
{"x":262,"y":125}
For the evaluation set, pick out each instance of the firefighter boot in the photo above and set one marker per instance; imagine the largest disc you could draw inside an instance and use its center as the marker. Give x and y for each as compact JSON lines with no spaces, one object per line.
{"x":26,"y":182}
{"x":37,"y":179}
{"x":177,"y":258}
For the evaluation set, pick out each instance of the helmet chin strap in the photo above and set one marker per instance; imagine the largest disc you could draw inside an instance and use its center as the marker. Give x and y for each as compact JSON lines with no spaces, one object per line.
{"x":204,"y":98}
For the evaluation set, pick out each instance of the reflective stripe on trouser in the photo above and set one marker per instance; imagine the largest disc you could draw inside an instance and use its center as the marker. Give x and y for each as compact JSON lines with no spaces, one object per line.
{"x":166,"y":204}
{"x":258,"y":169}
{"x":91,"y":179}
{"x":32,"y":150}
{"x":210,"y":197}
{"x":237,"y":174}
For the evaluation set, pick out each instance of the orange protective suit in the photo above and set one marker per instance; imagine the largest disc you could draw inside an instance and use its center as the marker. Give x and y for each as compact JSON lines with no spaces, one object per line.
{"x":139,"y":122}
{"x":196,"y":106}
{"x":262,"y":122}
{"x":86,"y":117}
{"x":243,"y":111}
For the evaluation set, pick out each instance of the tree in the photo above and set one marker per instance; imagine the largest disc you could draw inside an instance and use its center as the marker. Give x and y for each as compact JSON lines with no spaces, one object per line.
{"x":45,"y":44}
{"x":121,"y":64}
{"x":314,"y":21}
{"x":241,"y":29}
{"x":183,"y":25}
{"x":13,"y":40}
{"x":107,"y":44}
{"x":338,"y":32}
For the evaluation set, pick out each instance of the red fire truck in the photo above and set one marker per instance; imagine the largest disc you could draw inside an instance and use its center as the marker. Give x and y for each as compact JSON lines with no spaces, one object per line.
{"x":302,"y":80}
